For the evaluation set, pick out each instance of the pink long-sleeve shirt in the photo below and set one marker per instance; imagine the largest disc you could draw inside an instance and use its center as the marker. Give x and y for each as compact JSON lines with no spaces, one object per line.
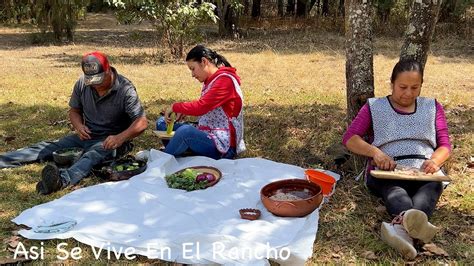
{"x":362,"y":126}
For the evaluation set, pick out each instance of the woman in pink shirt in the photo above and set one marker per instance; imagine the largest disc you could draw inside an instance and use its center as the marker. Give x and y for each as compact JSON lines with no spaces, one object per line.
{"x":407,"y":130}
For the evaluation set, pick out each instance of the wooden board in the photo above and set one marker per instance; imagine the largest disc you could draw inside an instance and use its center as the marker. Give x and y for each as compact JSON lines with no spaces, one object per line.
{"x":163,"y":134}
{"x":395,"y":175}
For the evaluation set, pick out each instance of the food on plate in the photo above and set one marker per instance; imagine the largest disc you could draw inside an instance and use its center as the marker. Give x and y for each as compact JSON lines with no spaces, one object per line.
{"x":190,"y":179}
{"x":129,"y":166}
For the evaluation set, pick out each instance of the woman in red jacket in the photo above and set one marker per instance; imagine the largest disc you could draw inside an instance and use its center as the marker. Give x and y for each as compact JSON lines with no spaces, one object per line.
{"x":220,"y":130}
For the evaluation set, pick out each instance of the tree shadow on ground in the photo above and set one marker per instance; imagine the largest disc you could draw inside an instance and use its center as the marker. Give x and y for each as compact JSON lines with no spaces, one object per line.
{"x":294,"y":134}
{"x":69,"y":60}
{"x":23,"y":125}
{"x":282,"y":41}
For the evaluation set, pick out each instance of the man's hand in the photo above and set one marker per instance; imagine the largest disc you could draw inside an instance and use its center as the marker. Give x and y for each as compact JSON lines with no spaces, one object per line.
{"x":113,"y":142}
{"x":429,"y":167}
{"x":383,"y":161}
{"x":83,"y":132}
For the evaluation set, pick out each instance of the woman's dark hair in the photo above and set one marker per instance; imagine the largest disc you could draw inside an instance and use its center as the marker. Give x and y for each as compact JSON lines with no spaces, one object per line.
{"x":404,"y":66}
{"x":200,"y":51}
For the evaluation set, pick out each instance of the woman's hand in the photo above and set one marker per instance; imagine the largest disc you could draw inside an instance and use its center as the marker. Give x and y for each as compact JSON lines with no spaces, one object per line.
{"x":430,"y":167}
{"x":168,"y":111}
{"x":383,"y":161}
{"x":180,"y":117}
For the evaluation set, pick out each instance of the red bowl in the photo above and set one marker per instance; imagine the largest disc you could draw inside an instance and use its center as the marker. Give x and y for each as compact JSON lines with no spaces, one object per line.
{"x":291,"y":197}
{"x":322,"y":179}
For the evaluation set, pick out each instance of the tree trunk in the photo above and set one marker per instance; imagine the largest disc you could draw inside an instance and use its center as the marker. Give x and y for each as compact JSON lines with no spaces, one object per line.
{"x":290,"y":7}
{"x":340,"y":9}
{"x":359,"y":55}
{"x":421,"y":26}
{"x":256,"y":8}
{"x":311,"y":5}
{"x":228,"y":19}
{"x":325,"y":8}
{"x":301,"y":8}
{"x":281,"y":11}
{"x":246,"y":7}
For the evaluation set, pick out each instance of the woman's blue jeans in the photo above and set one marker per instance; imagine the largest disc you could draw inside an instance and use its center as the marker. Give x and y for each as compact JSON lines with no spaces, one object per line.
{"x":94,"y":154}
{"x":189,"y":138}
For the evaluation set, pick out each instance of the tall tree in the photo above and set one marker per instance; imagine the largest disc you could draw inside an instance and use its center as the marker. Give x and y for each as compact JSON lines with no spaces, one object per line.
{"x":227,"y":11}
{"x":359,"y":55}
{"x":246,"y":7}
{"x":340,"y":8}
{"x":60,"y":16}
{"x":302,"y":8}
{"x":290,"y":7}
{"x":281,"y":11}
{"x":421,"y":26}
{"x":177,"y":20}
{"x":325,"y":8}
{"x":256,"y":8}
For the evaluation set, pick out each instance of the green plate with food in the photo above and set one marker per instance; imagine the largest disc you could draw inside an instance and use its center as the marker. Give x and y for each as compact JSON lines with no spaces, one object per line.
{"x":123,"y":169}
{"x":194,"y":178}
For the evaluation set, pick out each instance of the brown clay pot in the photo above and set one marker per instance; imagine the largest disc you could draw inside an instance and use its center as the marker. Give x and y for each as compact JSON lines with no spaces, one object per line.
{"x":309,"y":192}
{"x":249,"y":214}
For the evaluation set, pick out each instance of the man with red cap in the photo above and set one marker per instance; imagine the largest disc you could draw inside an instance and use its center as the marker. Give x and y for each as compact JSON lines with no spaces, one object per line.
{"x":106,"y":114}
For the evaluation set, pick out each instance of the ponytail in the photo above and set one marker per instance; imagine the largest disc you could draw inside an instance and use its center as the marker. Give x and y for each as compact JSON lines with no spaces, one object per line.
{"x":200,"y":51}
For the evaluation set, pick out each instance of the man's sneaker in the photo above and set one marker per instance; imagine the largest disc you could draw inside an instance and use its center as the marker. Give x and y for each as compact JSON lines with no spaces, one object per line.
{"x":416,"y":224}
{"x":397,"y":237}
{"x":50,"y":180}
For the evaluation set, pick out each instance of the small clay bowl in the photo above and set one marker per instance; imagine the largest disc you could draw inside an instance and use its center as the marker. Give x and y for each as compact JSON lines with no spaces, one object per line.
{"x":249,"y":214}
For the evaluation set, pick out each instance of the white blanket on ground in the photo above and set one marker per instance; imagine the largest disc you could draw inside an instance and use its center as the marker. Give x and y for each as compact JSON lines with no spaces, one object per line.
{"x":150,"y":219}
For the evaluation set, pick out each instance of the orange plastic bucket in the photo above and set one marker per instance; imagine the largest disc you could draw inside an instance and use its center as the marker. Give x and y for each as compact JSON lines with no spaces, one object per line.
{"x":324,"y":180}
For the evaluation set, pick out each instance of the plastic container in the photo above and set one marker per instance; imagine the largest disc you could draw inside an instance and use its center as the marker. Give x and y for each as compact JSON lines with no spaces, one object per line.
{"x":325,"y":181}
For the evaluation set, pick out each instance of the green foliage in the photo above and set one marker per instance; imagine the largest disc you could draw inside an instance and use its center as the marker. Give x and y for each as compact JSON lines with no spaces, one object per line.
{"x":59,"y":16}
{"x":14,"y":11}
{"x":178,"y":20}
{"x":455,"y":10}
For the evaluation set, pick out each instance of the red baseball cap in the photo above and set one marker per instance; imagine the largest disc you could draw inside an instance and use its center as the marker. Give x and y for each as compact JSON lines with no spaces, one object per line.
{"x":94,"y":66}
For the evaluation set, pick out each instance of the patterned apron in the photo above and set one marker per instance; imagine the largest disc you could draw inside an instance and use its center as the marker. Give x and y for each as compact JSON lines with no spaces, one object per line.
{"x":217,"y":124}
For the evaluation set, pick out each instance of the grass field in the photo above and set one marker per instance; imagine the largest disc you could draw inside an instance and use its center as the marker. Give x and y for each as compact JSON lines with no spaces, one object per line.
{"x":295,"y":101}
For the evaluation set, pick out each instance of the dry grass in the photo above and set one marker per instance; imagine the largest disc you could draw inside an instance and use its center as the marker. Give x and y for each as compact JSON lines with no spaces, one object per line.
{"x":294,"y":86}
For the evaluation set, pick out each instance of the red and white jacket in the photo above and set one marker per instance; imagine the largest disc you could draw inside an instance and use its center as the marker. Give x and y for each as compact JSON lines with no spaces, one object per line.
{"x":219,"y":109}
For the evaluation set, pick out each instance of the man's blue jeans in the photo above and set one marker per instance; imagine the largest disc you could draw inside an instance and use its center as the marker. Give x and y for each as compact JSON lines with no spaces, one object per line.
{"x":187,"y":137}
{"x":94,"y":154}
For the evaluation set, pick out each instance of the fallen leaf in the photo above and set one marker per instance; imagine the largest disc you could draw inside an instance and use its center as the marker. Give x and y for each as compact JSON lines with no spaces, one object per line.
{"x":336,"y":248}
{"x":329,"y":234}
{"x":433,"y":248}
{"x":380,"y":209}
{"x":10,"y":138}
{"x":370,"y":255}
